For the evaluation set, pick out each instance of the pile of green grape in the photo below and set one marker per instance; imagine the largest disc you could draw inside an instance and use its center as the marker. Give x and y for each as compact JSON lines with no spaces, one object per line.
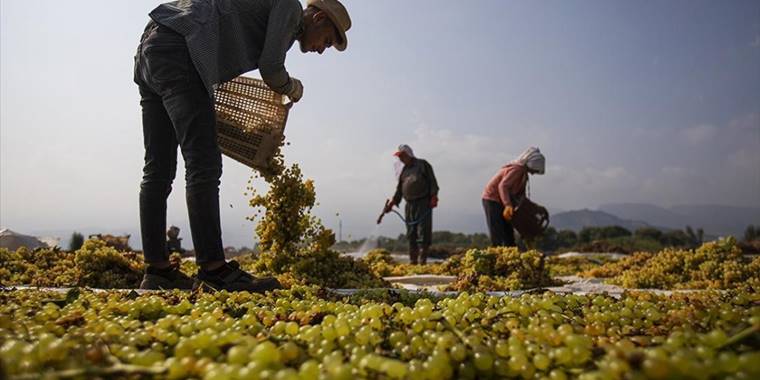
{"x":329,"y":268}
{"x":305,"y":333}
{"x":715,"y":265}
{"x":616,"y":268}
{"x":95,"y":265}
{"x":501,"y":268}
{"x":567,"y":266}
{"x":382,"y":264}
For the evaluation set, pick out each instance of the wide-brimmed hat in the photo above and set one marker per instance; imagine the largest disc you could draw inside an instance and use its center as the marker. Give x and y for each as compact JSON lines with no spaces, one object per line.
{"x":338,"y":14}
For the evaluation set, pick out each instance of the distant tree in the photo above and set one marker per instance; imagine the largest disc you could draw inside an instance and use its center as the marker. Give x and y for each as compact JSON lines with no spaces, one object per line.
{"x":612,"y":232}
{"x":752,"y":233}
{"x":548,"y":241}
{"x":76,"y":241}
{"x":567,"y":238}
{"x":586,"y":235}
{"x":648,"y":233}
{"x":589,"y":234}
{"x":445,"y":236}
{"x":676,"y":238}
{"x":695,"y":238}
{"x":690,"y":233}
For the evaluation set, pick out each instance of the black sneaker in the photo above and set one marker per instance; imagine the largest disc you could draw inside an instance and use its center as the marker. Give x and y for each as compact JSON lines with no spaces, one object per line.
{"x":231,"y":278}
{"x":165,"y":279}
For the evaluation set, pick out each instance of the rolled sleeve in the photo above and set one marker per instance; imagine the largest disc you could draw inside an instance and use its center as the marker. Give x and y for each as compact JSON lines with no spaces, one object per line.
{"x":282,"y":25}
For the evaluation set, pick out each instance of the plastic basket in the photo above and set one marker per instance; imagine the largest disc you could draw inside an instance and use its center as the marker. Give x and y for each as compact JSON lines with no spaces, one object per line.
{"x":250,"y":120}
{"x":530,"y":219}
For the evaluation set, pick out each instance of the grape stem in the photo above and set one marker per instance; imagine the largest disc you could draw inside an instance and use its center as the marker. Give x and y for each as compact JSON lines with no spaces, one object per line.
{"x":126,"y":369}
{"x":741,"y":335}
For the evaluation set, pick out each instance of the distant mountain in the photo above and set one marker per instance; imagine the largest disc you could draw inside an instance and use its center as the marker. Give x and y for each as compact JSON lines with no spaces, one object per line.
{"x":714,"y":219}
{"x":577,"y":219}
{"x":646,"y":212}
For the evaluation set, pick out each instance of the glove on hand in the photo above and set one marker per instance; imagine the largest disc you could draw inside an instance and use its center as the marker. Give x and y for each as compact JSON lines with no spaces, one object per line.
{"x":296,"y":90}
{"x":507,"y":213}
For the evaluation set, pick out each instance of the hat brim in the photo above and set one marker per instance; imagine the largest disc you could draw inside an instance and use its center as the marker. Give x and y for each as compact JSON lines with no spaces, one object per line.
{"x":341,"y":33}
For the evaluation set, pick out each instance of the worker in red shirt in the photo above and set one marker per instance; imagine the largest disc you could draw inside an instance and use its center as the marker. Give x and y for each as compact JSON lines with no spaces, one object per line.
{"x":504,"y":193}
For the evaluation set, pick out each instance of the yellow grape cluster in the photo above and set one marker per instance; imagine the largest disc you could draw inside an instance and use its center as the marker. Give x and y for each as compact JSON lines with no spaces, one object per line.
{"x":286,"y":207}
{"x":295,"y":244}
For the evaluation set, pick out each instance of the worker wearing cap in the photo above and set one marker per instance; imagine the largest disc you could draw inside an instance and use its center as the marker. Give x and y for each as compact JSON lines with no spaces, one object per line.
{"x":505,"y":191}
{"x":419,"y":188}
{"x":188,"y":48}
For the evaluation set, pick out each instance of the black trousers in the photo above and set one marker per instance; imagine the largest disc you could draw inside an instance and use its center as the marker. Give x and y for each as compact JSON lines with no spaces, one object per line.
{"x":177,"y":111}
{"x":419,"y":219}
{"x":500,"y":230}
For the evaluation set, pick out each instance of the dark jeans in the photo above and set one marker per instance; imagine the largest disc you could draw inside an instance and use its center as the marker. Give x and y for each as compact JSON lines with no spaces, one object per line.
{"x":500,"y":230}
{"x":177,"y":111}
{"x":420,"y":215}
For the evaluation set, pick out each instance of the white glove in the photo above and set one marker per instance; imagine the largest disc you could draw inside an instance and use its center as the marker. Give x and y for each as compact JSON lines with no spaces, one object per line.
{"x":296,"y":90}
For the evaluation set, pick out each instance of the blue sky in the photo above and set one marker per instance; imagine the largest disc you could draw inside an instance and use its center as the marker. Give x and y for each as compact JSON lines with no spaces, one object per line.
{"x":632,"y":101}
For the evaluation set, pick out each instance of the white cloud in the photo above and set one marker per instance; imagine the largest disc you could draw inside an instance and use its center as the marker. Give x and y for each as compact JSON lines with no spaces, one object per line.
{"x":747,"y":160}
{"x":749,"y":122}
{"x":756,"y":42}
{"x":699,"y":134}
{"x":675,"y":171}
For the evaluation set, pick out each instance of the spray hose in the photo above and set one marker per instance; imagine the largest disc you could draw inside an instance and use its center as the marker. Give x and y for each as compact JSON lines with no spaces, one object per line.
{"x":414,"y":222}
{"x":408,"y":223}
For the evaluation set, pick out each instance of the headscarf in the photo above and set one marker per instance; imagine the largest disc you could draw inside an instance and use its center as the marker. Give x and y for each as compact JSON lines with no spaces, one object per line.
{"x":533,"y":159}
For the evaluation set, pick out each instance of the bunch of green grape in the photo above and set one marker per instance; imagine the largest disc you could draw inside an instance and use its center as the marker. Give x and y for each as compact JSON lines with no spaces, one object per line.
{"x":101,"y":266}
{"x":382,"y":264}
{"x":286,"y":211}
{"x":567,"y":266}
{"x":715,"y":265}
{"x":40,"y":267}
{"x":94,"y":265}
{"x":615,"y":268}
{"x":501,"y":268}
{"x":330,"y":269}
{"x":295,"y":244}
{"x":305,"y":333}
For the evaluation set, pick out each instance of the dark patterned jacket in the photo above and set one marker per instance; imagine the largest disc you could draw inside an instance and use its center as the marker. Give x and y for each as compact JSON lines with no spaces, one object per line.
{"x":416,"y":181}
{"x":227,"y":38}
